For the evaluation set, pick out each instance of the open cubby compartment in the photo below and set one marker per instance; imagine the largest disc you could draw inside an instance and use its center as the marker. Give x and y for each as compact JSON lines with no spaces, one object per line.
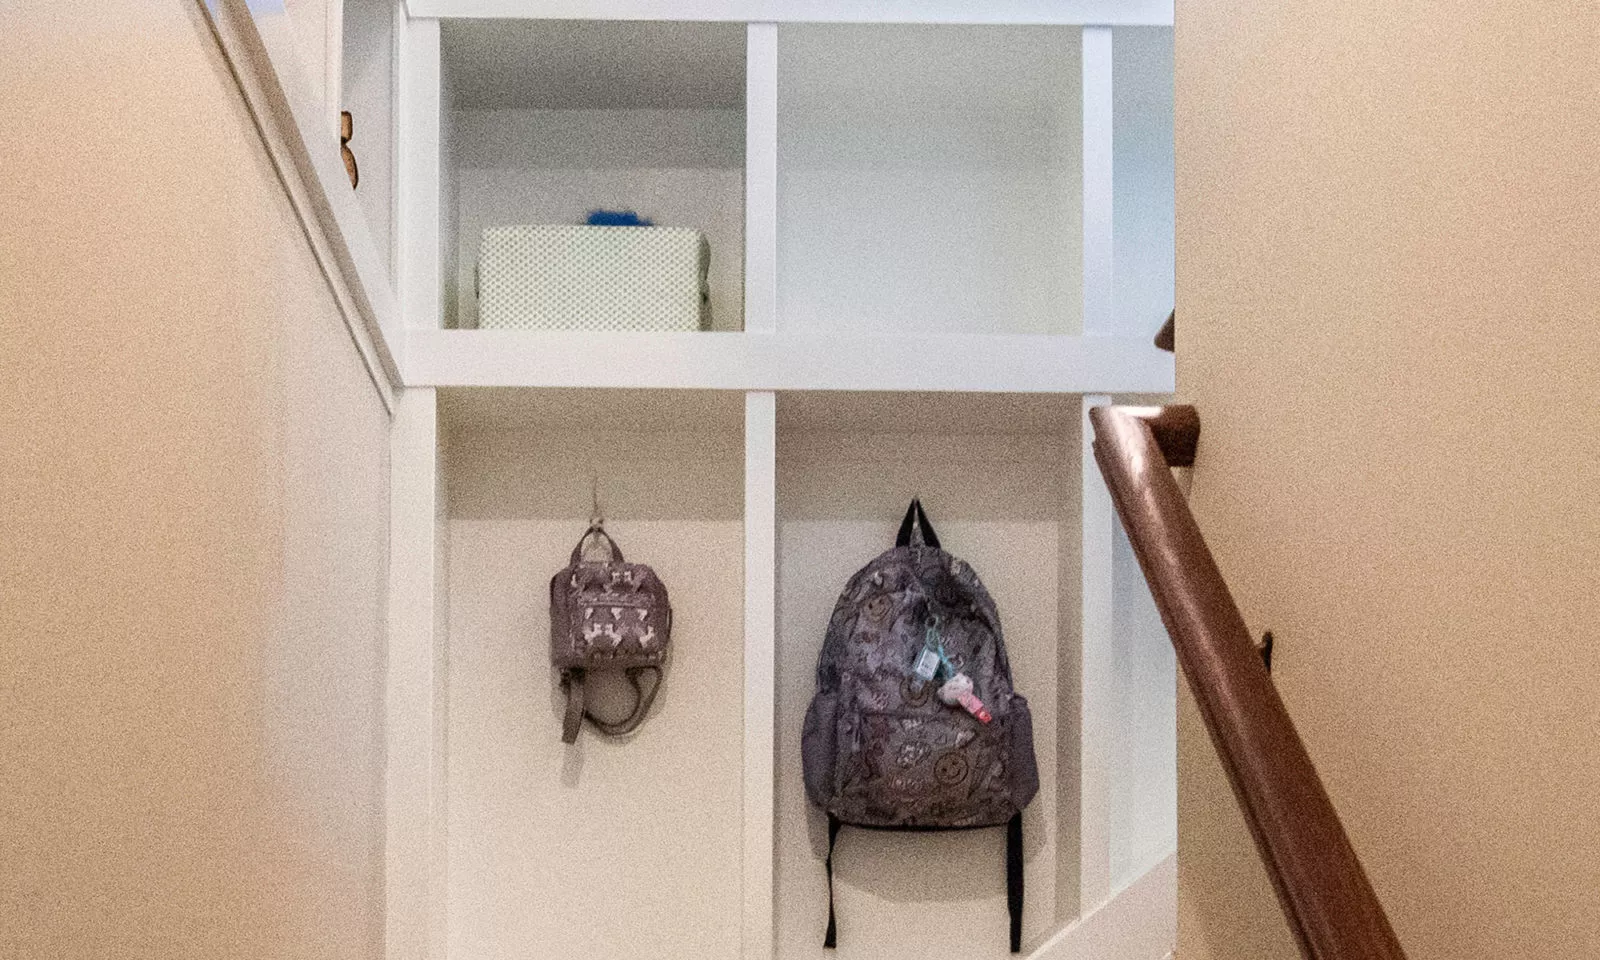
{"x":998,"y":475}
{"x":930,"y":178}
{"x":546,"y":120}
{"x":608,"y":848}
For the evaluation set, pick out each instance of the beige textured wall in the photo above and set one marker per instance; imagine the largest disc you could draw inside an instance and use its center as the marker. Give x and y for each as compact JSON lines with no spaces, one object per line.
{"x":1388,"y":218}
{"x":192,"y":537}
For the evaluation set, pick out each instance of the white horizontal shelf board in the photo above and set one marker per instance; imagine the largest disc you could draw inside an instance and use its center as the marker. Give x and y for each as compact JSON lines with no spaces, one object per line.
{"x":939,"y":413}
{"x":795,"y":360}
{"x":624,"y":411}
{"x":1109,"y":12}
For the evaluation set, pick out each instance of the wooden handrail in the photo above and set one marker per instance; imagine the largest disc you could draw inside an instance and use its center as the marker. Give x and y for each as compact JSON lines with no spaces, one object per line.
{"x":1325,"y":895}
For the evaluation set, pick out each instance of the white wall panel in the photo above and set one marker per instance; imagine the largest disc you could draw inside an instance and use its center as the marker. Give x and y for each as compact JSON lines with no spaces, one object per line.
{"x":1142,"y":179}
{"x":928,"y":179}
{"x":996,"y":501}
{"x":595,"y":849}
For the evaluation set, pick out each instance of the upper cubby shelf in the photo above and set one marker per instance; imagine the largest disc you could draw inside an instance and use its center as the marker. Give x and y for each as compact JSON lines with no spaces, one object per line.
{"x":787,"y":360}
{"x":1103,"y":12}
{"x":888,"y":206}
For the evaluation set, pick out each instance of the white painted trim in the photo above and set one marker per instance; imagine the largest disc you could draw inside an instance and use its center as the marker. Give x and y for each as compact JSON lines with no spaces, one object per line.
{"x":1069,"y":12}
{"x":417,"y":173}
{"x":1139,"y":923}
{"x":414,"y":805}
{"x":396,"y":37}
{"x":439,"y":774}
{"x":1097,"y":677}
{"x":1099,"y":305}
{"x":1097,"y":705}
{"x":333,"y":63}
{"x":316,"y":184}
{"x":760,"y":672}
{"x":794,"y":360}
{"x":761,"y":178}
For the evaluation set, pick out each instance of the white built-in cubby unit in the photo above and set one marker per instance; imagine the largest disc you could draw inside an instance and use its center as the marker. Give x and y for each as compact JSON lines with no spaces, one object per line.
{"x":939,"y":232}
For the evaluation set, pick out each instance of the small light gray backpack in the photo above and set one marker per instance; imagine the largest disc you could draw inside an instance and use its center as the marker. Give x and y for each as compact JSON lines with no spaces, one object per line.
{"x":607,"y":615}
{"x":915,"y":724}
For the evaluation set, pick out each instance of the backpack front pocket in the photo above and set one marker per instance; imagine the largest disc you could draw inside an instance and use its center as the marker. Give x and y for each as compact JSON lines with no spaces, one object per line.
{"x":938,"y":768}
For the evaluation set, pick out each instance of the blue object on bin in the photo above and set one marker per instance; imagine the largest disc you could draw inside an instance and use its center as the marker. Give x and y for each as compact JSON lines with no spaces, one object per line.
{"x":617,"y":218}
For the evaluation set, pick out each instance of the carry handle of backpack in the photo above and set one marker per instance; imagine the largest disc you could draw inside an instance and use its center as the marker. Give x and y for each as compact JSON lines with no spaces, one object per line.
{"x":915,"y":517}
{"x":572,"y":680}
{"x":596,"y":531}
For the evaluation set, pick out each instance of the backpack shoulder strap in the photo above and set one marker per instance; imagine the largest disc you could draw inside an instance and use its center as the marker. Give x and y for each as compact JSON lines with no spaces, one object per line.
{"x":641,"y":704}
{"x":1014,"y":878}
{"x":830,"y":939}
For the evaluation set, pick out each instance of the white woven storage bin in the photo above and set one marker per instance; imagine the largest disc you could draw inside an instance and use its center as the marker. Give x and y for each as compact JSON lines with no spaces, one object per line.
{"x":593,"y":278}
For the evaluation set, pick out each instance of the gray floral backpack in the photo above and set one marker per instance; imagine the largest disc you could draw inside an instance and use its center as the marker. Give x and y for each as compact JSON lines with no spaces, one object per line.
{"x":915,"y":724}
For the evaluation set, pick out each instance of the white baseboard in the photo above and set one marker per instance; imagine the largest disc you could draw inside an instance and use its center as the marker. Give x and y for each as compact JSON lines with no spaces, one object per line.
{"x":1139,"y":922}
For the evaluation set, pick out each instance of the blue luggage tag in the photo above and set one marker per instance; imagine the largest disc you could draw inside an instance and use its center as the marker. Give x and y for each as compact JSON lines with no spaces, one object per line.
{"x":930,"y":657}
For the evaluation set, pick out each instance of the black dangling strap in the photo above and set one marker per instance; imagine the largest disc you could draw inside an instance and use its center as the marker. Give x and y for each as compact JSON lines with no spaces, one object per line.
{"x":1014,"y":879}
{"x":831,"y":939}
{"x":573,"y":720}
{"x":1014,"y":889}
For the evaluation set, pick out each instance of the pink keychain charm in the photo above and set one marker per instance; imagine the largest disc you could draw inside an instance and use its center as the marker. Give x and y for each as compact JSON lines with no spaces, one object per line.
{"x":958,"y":691}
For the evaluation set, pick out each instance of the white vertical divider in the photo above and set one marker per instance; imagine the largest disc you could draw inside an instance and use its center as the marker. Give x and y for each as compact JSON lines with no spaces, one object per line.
{"x":414,"y":771}
{"x":760,"y":666}
{"x":761,"y":178}
{"x":398,"y":20}
{"x":760,"y":495}
{"x":1099,"y":315}
{"x":333,"y":63}
{"x":1097,"y":701}
{"x":417,"y":171}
